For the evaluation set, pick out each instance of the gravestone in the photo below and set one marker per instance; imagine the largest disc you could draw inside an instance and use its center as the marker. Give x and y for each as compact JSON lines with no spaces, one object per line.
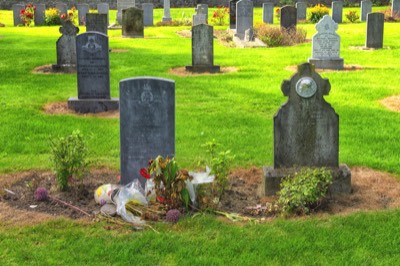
{"x":232,"y":14}
{"x":147,"y":14}
{"x":103,"y":8}
{"x":268,"y":12}
{"x":249,"y":35}
{"x":288,"y":17}
{"x":375,"y":22}
{"x":301,"y":10}
{"x":337,"y":11}
{"x":16,"y":14}
{"x":93,"y":75}
{"x":366,"y":7}
{"x":202,"y":50}
{"x":83,"y":9}
{"x":147,"y":123}
{"x":39,"y":15}
{"x":167,"y":11}
{"x":63,"y":8}
{"x":306,"y":132}
{"x":244,"y":17}
{"x":395,"y":8}
{"x":132,"y":23}
{"x":326,"y":45}
{"x":123,"y":4}
{"x":97,"y":22}
{"x":198,"y":19}
{"x":66,"y":48}
{"x":202,"y":9}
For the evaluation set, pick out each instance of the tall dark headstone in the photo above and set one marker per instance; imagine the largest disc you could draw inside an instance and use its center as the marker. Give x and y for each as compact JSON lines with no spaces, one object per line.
{"x":244,"y":17}
{"x":147,"y":123}
{"x":83,"y":9}
{"x":66,"y":48}
{"x":16,"y":14}
{"x":97,"y":22}
{"x":132,"y":23}
{"x":288,"y":17}
{"x":232,"y":14}
{"x":306,"y":132}
{"x":93,"y":75}
{"x":40,"y":17}
{"x":202,"y":50}
{"x":375,"y":22}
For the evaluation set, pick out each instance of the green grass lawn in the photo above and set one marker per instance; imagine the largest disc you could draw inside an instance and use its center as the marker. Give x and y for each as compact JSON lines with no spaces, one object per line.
{"x":234,"y":108}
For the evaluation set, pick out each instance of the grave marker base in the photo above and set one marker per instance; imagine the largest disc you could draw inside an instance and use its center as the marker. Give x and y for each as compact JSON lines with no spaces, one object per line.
{"x":202,"y":69}
{"x":93,"y":105}
{"x":337,"y":64}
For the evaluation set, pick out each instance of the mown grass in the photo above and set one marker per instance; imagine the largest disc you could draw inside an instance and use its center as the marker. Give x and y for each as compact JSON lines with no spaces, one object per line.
{"x":237,"y":110}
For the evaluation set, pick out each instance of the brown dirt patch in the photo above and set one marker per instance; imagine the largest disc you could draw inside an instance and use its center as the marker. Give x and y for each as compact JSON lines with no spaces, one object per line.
{"x":372,"y":190}
{"x":345,"y":68}
{"x":181,"y":71}
{"x":185,"y":33}
{"x":61,"y":108}
{"x":46,"y":69}
{"x":392,"y":103}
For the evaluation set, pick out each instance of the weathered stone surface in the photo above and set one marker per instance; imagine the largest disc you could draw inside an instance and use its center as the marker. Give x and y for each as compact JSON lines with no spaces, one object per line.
{"x":103,"y":8}
{"x":244,"y":17}
{"x":62,"y":7}
{"x":395,"y":8}
{"x":147,"y":14}
{"x":167,"y":11}
{"x":66,"y":48}
{"x":109,"y":209}
{"x":147,"y":123}
{"x":39,"y":17}
{"x":198,"y":19}
{"x":326,"y":45}
{"x":123,"y":4}
{"x":288,"y":17}
{"x":249,"y":35}
{"x":16,"y":14}
{"x":83,"y":9}
{"x":202,"y":9}
{"x":232,"y":14}
{"x":301,"y":10}
{"x":268,"y":12}
{"x":202,"y":50}
{"x":366,"y":7}
{"x":375,"y":23}
{"x":97,"y":22}
{"x":337,"y":11}
{"x":132,"y":23}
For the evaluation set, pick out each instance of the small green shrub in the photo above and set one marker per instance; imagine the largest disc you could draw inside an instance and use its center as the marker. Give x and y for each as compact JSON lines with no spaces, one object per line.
{"x":52,"y":17}
{"x":317,"y":12}
{"x":304,"y":191}
{"x":68,"y":155}
{"x":352,"y":16}
{"x":274,"y":36}
{"x":219,"y":16}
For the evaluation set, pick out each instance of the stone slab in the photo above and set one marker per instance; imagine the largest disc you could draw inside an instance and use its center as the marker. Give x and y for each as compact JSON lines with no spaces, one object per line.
{"x":66,"y":46}
{"x":395,"y":8}
{"x":232,"y":14}
{"x":366,"y":7}
{"x":83,"y":9}
{"x":337,"y":11}
{"x":16,"y":14}
{"x":268,"y":12}
{"x":40,"y":17}
{"x":244,"y":17}
{"x":132,"y":23}
{"x":147,"y":14}
{"x":97,"y":22}
{"x":301,"y":10}
{"x":123,"y":4}
{"x":103,"y":8}
{"x":335,"y":64}
{"x":288,"y":17}
{"x":167,"y":11}
{"x":375,"y":24}
{"x":92,"y":105}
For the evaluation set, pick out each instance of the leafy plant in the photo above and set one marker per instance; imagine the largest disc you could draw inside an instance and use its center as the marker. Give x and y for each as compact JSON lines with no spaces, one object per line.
{"x":286,"y":2}
{"x":27,"y":14}
{"x":68,"y":155}
{"x":53,"y":17}
{"x":273,"y":36}
{"x":352,"y":16}
{"x":317,"y":12}
{"x":219,"y":16}
{"x":304,"y":190}
{"x":169,"y":182}
{"x":72,"y":16}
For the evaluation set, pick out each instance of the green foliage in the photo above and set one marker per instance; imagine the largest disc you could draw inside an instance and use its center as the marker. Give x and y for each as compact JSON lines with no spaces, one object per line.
{"x":304,"y":190}
{"x":352,"y":16}
{"x":317,"y":12}
{"x":286,"y":2}
{"x":274,"y":36}
{"x":52,"y":17}
{"x":68,"y":155}
{"x":27,"y":14}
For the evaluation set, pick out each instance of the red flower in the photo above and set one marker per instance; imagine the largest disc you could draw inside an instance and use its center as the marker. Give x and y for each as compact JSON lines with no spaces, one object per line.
{"x":144,"y":173}
{"x":63,"y":16}
{"x":161,"y":199}
{"x":29,"y":5}
{"x":22,"y":11}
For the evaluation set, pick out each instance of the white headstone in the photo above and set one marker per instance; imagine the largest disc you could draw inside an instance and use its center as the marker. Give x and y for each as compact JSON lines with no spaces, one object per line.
{"x":167,"y":11}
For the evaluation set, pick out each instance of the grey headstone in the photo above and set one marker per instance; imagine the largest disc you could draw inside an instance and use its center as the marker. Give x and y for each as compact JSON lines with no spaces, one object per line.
{"x":97,"y":22}
{"x":66,"y":48}
{"x":202,"y":9}
{"x":232,"y":14}
{"x":288,"y":17}
{"x":301,"y":10}
{"x":147,"y":123}
{"x":375,"y":22}
{"x":83,"y":9}
{"x":123,"y":4}
{"x":167,"y":11}
{"x":16,"y":14}
{"x":202,"y":49}
{"x":39,"y":17}
{"x":268,"y":12}
{"x":147,"y":14}
{"x":103,"y":8}
{"x":198,"y":19}
{"x":62,"y":7}
{"x":244,"y":17}
{"x":93,"y":74}
{"x":132,"y":23}
{"x":249,"y":35}
{"x":395,"y":8}
{"x":337,"y":11}
{"x":366,"y":7}
{"x":326,"y":45}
